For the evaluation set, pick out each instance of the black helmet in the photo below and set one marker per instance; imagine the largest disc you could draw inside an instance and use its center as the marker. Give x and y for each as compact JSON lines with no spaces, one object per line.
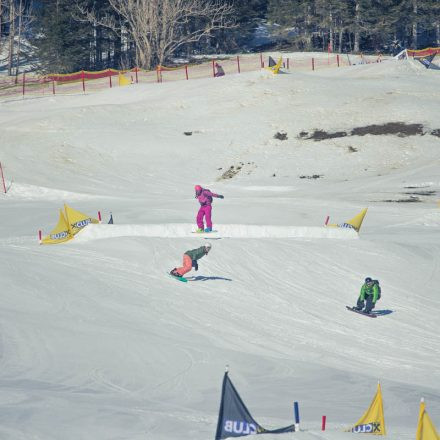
{"x":368,"y":280}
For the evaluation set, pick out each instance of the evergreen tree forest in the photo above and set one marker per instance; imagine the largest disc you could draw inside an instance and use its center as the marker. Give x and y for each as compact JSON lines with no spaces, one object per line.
{"x":69,"y":35}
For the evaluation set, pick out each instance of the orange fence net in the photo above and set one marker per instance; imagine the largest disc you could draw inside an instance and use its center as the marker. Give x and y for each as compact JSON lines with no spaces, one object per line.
{"x":87,"y":81}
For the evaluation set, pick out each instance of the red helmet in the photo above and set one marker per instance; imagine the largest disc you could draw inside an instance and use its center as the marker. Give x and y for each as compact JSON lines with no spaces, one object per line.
{"x":197,"y":188}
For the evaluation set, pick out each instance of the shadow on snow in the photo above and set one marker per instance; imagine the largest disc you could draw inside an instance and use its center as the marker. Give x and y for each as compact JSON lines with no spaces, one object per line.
{"x":203,"y":278}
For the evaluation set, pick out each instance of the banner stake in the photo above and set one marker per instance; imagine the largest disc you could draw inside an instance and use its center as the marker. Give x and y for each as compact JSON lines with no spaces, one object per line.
{"x":296,"y":409}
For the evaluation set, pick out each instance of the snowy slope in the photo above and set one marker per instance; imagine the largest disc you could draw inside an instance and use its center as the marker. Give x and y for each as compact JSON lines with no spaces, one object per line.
{"x":97,"y":342}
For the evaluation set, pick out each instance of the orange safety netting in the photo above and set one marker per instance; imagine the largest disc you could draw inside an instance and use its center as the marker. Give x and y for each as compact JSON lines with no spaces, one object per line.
{"x":423,"y":52}
{"x":85,"y":74}
{"x":89,"y":81}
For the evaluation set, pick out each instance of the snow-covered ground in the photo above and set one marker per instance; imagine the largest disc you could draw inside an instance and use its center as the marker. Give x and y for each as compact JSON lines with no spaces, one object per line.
{"x":97,"y":342}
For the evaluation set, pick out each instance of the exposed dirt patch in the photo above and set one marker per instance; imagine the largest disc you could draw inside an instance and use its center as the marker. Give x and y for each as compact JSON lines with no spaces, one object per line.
{"x":233,"y":170}
{"x":436,"y":132}
{"x":352,"y":149}
{"x":321,"y":135}
{"x":410,"y":200}
{"x":313,"y":176}
{"x":400,"y":129}
{"x":230,"y":173}
{"x":280,"y":135}
{"x":422,"y":193}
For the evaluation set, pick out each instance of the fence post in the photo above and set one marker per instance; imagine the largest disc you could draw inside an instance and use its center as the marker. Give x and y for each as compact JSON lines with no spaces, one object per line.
{"x":83,"y":81}
{"x":3,"y":179}
{"x":296,"y":409}
{"x":110,"y":78}
{"x":159,"y":73}
{"x":24,"y":81}
{"x":186,"y":71}
{"x":323,"y":423}
{"x":337,"y":59}
{"x":238,"y":63}
{"x":313,"y":63}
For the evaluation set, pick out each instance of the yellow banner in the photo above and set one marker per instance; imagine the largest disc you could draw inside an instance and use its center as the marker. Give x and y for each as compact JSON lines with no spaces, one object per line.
{"x":276,"y":69}
{"x":60,"y":233}
{"x":77,"y":220}
{"x":355,"y":222}
{"x":123,"y":81}
{"x":425,"y":428}
{"x":373,"y":421}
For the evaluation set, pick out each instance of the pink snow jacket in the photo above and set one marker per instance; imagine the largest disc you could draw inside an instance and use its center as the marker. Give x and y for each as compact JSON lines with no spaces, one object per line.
{"x":205,"y":197}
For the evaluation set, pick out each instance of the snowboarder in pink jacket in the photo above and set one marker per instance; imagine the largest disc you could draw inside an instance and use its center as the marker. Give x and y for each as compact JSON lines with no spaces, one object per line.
{"x":204,"y":196}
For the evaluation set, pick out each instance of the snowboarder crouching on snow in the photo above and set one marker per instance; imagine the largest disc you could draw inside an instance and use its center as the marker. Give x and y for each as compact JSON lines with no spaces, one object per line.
{"x":190,"y":260}
{"x":219,"y":70}
{"x":370,"y":293}
{"x":204,"y":196}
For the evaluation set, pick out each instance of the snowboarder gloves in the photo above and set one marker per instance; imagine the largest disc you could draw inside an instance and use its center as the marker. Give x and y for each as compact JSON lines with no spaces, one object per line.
{"x":220,"y":196}
{"x":195,"y":265}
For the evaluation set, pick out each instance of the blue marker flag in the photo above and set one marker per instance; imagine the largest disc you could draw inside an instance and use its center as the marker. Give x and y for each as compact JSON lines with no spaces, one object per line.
{"x":235,"y":420}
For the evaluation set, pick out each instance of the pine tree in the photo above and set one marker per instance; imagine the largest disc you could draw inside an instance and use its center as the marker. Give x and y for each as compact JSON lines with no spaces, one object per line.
{"x":63,"y":43}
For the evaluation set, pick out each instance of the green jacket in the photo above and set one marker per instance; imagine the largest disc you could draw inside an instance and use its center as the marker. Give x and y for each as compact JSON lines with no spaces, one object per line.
{"x":369,"y":290}
{"x":196,"y":254}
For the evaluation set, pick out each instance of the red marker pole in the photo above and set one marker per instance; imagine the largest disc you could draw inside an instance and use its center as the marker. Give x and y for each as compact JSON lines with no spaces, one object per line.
{"x":288,"y":63}
{"x":3,"y":178}
{"x":213,"y":68}
{"x":83,"y":81}
{"x":238,"y":63}
{"x":99,"y":216}
{"x":261,"y":60}
{"x":337,"y":59}
{"x":326,"y":220}
{"x":39,"y":236}
{"x":53,"y":86}
{"x":313,"y":63}
{"x":186,"y":71}
{"x":324,"y":418}
{"x":24,"y":82}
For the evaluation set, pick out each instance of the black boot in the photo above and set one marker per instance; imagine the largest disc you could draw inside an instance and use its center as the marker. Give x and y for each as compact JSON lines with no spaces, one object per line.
{"x":174,"y":273}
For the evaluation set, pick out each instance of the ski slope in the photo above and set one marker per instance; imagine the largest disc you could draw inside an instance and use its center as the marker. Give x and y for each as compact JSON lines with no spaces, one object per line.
{"x":97,"y":342}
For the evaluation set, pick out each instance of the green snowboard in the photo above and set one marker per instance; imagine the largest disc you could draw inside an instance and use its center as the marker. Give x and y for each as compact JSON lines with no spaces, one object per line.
{"x":183,"y":279}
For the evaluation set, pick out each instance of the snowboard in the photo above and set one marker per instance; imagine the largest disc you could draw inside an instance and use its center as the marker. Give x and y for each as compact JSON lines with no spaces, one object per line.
{"x":203,"y":232}
{"x":370,"y":315}
{"x":183,"y":279}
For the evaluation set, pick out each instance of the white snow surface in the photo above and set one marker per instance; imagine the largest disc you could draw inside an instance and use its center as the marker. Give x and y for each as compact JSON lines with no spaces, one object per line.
{"x":98,"y":342}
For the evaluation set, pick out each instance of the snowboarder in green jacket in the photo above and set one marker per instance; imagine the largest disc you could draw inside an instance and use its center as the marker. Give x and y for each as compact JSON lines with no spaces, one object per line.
{"x":190,"y":260}
{"x":370,"y":293}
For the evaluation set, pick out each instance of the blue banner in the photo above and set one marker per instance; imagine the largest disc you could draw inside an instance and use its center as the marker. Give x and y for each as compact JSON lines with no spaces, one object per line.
{"x":235,"y":420}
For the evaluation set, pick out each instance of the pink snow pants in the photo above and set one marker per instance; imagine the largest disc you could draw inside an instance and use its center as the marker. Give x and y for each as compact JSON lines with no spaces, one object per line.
{"x":187,"y":265}
{"x":204,"y":211}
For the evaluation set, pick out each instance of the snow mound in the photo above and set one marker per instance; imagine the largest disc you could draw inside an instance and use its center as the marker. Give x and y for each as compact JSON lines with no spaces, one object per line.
{"x":33,"y":192}
{"x":96,"y":232}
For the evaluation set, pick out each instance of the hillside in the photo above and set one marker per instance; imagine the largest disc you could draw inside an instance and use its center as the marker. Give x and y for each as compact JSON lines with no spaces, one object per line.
{"x":97,"y":342}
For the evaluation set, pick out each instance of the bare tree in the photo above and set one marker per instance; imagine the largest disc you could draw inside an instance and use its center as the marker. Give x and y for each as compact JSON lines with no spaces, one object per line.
{"x":11,"y":35}
{"x":159,"y":28}
{"x":25,"y":18}
{"x":1,"y":21}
